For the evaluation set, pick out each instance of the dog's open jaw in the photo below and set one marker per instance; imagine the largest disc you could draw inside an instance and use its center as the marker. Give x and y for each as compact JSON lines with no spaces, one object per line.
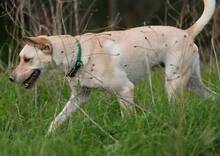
{"x":30,"y":81}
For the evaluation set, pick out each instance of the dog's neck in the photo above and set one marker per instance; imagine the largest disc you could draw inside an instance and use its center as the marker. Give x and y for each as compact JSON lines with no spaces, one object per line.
{"x":65,"y":51}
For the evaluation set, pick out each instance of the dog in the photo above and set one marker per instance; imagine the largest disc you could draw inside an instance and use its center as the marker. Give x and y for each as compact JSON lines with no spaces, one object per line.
{"x":115,"y":60}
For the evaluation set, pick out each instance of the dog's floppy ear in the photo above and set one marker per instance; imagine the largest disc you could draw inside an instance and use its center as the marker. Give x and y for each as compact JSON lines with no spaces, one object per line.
{"x":40,"y":42}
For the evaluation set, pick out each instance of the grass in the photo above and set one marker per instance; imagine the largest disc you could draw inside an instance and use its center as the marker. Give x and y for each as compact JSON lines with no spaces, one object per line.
{"x":189,"y":127}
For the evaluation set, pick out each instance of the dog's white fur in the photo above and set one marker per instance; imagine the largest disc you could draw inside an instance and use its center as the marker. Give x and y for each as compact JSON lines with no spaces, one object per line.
{"x":115,"y":60}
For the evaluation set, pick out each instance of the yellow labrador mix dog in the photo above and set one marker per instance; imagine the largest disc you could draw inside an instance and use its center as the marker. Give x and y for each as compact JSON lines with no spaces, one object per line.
{"x":115,"y":60}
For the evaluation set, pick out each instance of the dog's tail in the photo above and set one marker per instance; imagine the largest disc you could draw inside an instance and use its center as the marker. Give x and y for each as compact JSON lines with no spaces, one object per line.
{"x":209,"y":8}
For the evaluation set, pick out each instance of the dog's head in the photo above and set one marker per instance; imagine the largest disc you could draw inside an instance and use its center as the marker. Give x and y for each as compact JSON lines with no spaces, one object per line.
{"x":35,"y":56}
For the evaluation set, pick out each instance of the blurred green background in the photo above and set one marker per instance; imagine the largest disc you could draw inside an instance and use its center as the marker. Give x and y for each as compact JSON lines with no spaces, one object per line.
{"x":54,"y":17}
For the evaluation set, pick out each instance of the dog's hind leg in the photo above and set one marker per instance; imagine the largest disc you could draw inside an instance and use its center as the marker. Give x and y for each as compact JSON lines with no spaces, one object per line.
{"x":175,"y":84}
{"x":196,"y":85}
{"x":179,"y":67}
{"x":79,"y":97}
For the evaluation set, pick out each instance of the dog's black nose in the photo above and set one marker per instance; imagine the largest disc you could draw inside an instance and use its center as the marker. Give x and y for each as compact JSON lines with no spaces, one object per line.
{"x":11,"y":78}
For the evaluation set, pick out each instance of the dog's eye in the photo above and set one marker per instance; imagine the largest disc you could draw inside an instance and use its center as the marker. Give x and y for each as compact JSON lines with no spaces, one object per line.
{"x":26,"y":60}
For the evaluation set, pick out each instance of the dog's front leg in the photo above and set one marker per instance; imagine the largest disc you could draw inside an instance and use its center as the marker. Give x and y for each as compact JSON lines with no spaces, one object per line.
{"x":78,"y":97}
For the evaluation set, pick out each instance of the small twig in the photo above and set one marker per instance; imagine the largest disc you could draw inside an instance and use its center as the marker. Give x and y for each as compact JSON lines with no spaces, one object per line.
{"x":76,"y":11}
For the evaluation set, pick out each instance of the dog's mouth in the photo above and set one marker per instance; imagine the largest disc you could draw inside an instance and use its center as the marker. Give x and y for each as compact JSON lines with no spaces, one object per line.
{"x":30,"y":81}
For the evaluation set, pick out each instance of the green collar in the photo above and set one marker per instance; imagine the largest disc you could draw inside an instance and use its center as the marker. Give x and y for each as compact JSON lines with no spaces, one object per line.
{"x":74,"y":69}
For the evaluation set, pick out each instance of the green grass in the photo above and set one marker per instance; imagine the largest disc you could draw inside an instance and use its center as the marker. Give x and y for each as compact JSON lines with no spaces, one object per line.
{"x":189,"y":127}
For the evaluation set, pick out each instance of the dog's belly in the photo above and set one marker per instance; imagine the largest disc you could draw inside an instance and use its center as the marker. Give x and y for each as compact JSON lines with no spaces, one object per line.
{"x":136,"y":71}
{"x":138,"y":65}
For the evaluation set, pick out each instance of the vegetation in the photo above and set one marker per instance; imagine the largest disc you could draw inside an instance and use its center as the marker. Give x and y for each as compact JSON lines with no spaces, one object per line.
{"x":188,"y":127}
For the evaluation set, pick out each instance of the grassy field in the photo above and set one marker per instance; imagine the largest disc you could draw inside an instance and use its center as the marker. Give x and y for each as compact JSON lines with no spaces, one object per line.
{"x":188,"y":127}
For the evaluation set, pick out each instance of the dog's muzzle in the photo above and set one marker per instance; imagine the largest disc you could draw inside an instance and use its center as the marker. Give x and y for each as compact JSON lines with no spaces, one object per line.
{"x":30,"y":81}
